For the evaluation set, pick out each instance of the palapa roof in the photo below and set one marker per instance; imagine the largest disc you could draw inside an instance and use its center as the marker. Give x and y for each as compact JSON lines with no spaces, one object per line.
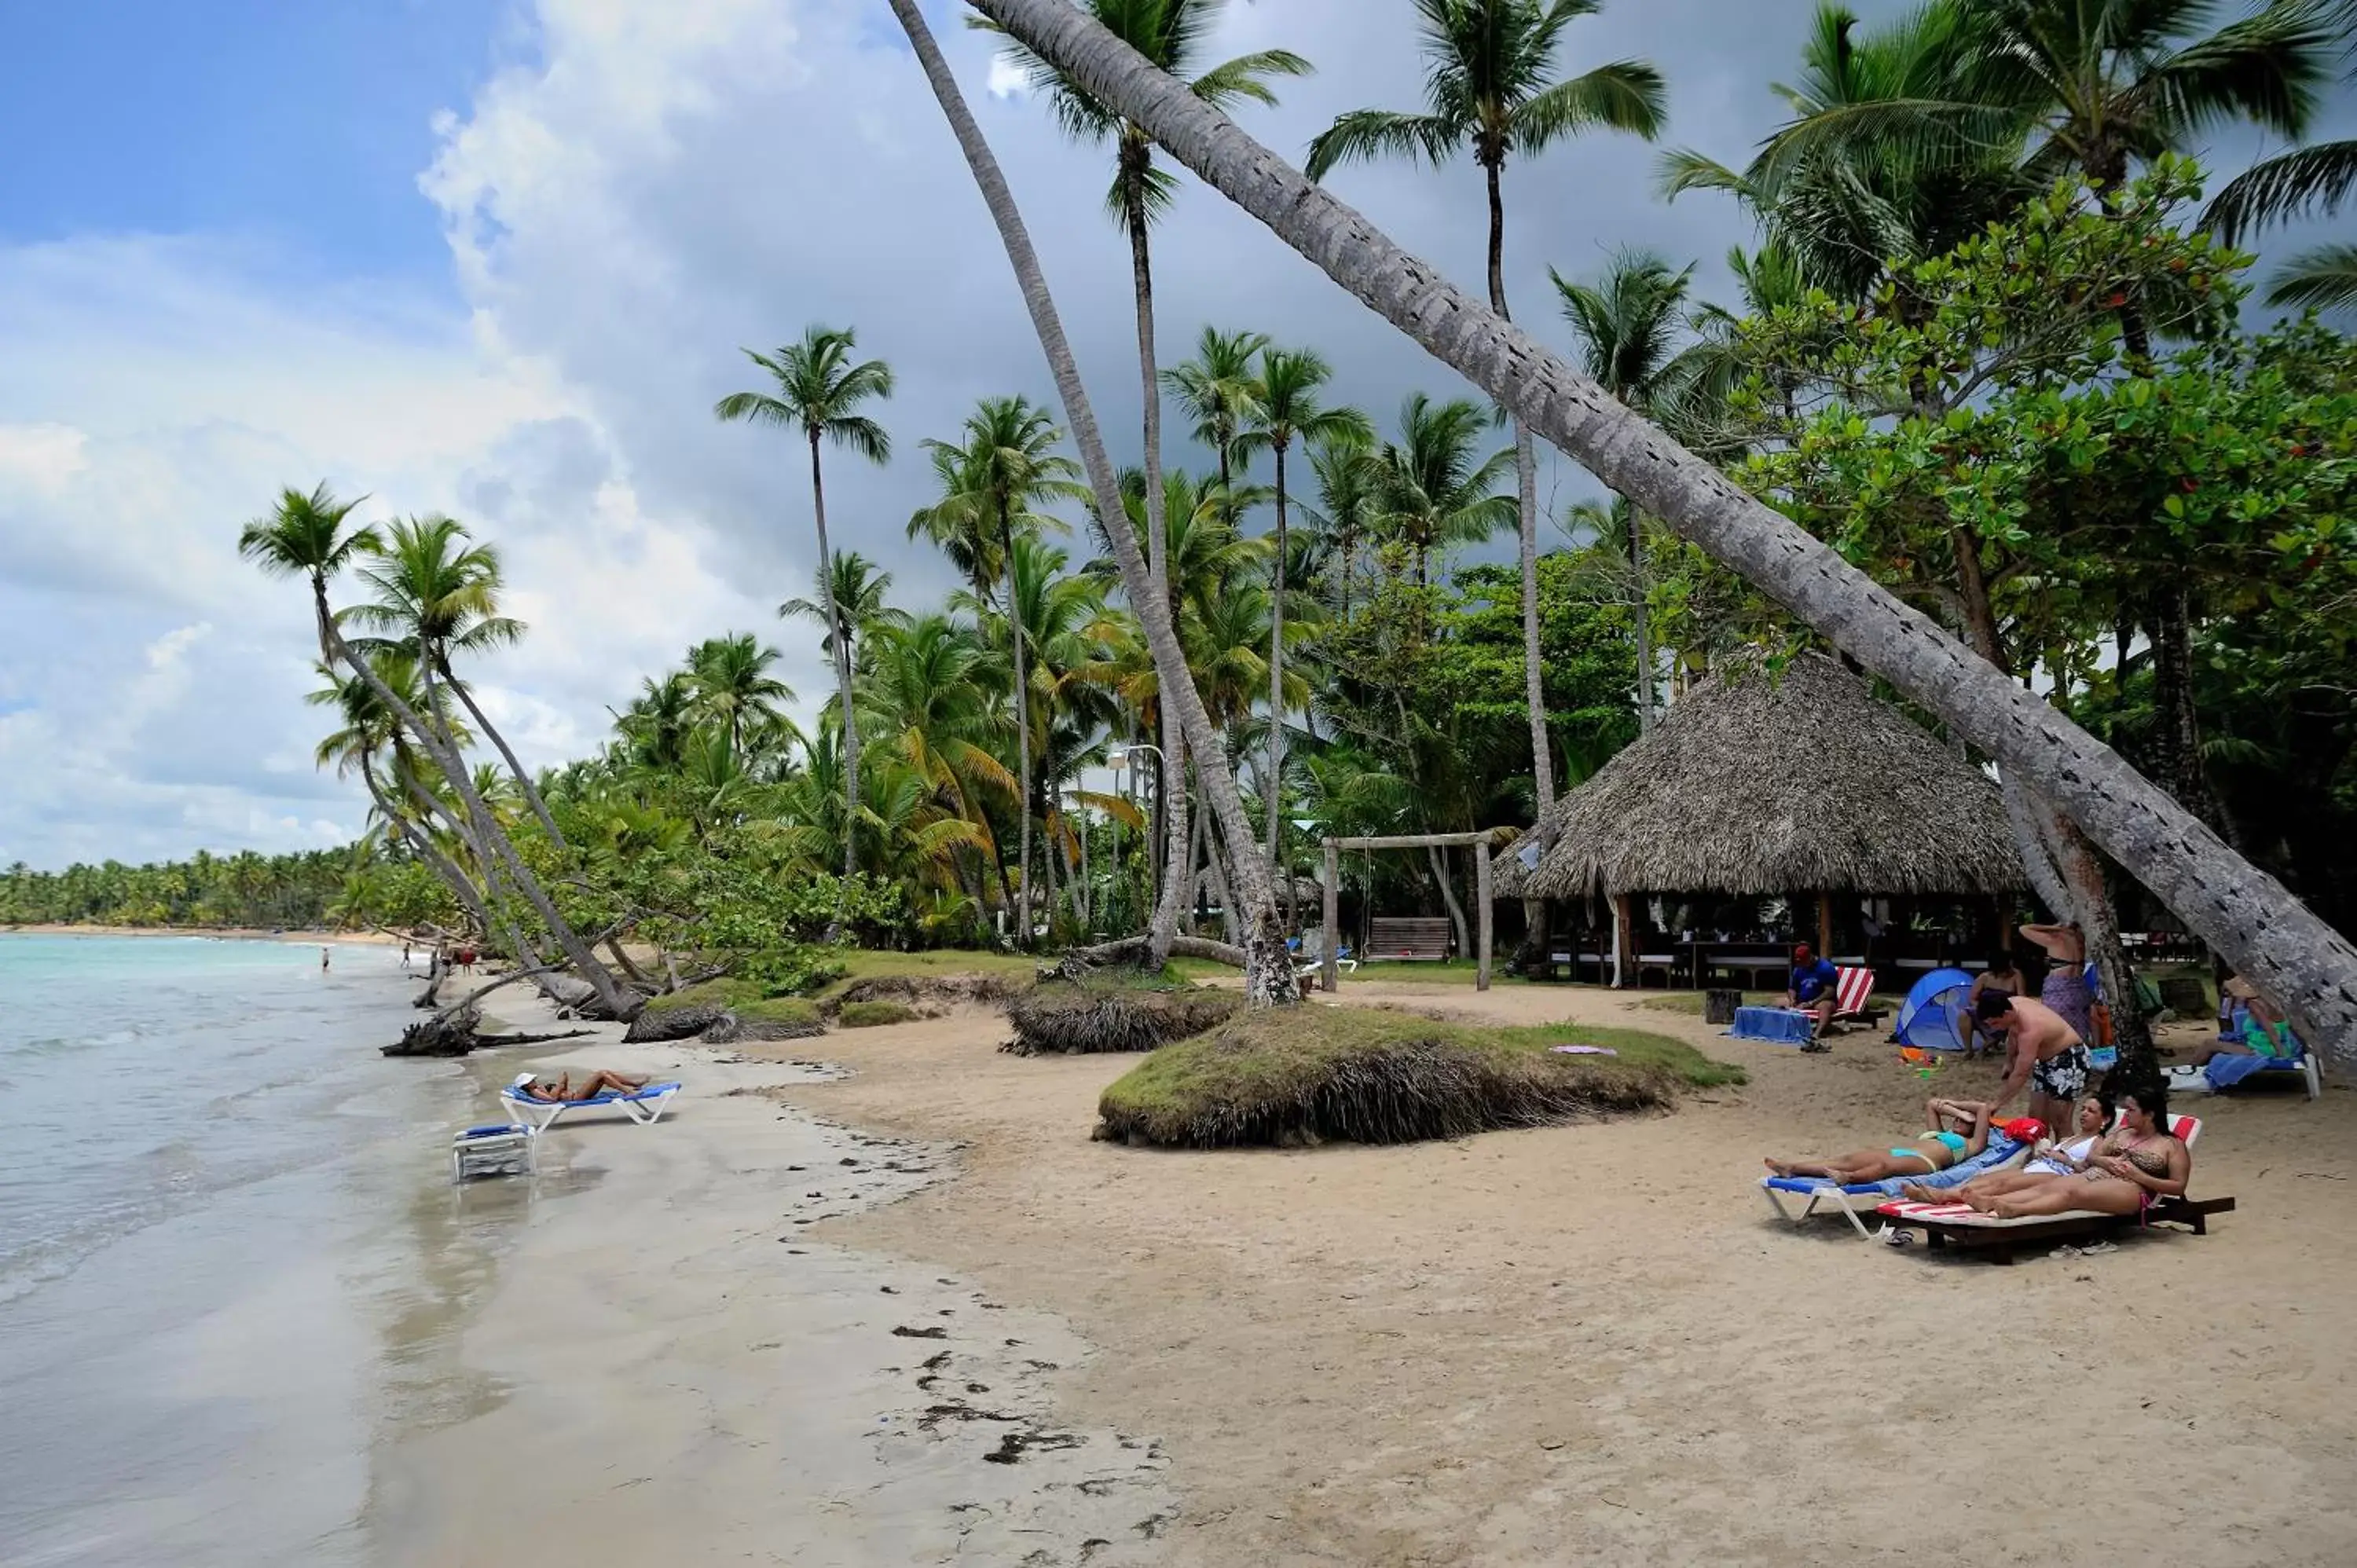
{"x":1768,"y":782}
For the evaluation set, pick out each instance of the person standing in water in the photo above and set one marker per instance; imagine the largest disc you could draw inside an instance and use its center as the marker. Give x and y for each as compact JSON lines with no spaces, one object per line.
{"x":323,"y":959}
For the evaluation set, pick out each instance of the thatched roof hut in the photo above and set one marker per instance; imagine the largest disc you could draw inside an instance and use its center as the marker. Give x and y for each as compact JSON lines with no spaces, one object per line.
{"x":1765,"y":782}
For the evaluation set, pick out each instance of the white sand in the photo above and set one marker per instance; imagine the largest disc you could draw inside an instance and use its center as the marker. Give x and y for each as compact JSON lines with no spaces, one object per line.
{"x":1585,"y":1344}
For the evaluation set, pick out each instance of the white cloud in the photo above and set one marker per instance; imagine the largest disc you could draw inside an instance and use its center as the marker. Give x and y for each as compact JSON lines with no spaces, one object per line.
{"x":655,"y":186}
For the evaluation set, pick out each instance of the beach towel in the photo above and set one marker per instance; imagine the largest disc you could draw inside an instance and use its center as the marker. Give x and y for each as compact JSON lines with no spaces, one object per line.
{"x":1774,"y":1024}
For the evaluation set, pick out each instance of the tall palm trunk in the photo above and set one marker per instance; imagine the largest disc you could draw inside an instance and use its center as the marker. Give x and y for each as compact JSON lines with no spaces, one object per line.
{"x":1526,"y":515}
{"x":1268,"y":968}
{"x":1177,"y":865}
{"x":1022,"y":751}
{"x":619,"y":1001}
{"x":841,"y":636}
{"x":1274,"y":787}
{"x":1645,"y":621}
{"x":2276,"y":942}
{"x":507,"y":753}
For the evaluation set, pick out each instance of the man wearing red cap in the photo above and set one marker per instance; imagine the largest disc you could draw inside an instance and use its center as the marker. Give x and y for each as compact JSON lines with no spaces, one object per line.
{"x":1814,"y":988}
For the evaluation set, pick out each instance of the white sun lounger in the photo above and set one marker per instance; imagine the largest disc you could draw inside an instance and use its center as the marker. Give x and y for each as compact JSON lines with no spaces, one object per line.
{"x":645,"y":1107}
{"x":1852,"y":1203}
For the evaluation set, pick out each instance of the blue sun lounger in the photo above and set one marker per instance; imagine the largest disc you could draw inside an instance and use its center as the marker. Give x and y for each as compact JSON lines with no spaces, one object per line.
{"x":645,"y":1107}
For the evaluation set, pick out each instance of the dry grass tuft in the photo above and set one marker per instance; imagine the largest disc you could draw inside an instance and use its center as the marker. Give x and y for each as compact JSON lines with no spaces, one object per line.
{"x":1114,"y":1010}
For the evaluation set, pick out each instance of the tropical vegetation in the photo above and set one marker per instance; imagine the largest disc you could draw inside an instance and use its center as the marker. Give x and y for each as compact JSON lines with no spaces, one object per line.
{"x":1988,"y":348}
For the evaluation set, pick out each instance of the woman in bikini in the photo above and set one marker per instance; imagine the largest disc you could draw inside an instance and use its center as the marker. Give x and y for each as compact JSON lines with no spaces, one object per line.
{"x":564,"y":1088}
{"x":1934,"y":1151}
{"x":2137,"y":1163}
{"x":2062,"y":1157}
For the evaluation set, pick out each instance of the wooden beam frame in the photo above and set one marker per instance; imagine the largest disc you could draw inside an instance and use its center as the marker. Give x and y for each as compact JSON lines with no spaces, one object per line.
{"x":1330,"y":971}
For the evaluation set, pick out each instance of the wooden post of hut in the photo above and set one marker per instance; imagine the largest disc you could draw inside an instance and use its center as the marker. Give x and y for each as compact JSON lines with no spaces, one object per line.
{"x":1332,"y":975}
{"x":1624,"y":940}
{"x":1825,"y":925}
{"x":1481,"y":898}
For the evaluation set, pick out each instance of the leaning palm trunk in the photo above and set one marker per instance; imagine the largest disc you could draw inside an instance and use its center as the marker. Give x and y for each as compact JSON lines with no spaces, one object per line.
{"x":423,"y":847}
{"x":622,"y":1003}
{"x":507,"y":753}
{"x":2276,"y":942}
{"x":1268,"y":968}
{"x":495,"y":894}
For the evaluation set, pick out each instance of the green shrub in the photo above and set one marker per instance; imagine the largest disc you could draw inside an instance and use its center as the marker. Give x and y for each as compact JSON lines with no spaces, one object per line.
{"x":874,"y":1014}
{"x":1295,"y":1075}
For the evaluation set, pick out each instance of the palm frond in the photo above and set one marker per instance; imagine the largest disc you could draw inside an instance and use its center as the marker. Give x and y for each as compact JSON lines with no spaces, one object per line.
{"x":2324,"y":279}
{"x":2311,"y":181}
{"x":1625,"y":95}
{"x":1368,"y":135}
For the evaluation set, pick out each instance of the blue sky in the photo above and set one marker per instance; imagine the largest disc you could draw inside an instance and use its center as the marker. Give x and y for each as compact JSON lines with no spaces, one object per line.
{"x":498,"y":258}
{"x":301,"y":122}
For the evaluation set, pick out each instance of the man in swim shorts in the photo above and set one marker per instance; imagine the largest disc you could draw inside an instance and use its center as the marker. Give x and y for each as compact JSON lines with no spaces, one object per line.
{"x":2048,"y":1055}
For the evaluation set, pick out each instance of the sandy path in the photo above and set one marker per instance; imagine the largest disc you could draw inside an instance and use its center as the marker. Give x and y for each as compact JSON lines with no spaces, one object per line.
{"x":1594,"y":1344}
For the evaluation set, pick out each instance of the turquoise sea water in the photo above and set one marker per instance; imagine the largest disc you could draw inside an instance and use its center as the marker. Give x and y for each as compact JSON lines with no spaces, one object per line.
{"x":214,"y":1202}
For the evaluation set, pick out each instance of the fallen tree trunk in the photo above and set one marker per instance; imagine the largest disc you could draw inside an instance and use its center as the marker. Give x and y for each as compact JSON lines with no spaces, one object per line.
{"x":1138,"y":950}
{"x":455,"y":1033}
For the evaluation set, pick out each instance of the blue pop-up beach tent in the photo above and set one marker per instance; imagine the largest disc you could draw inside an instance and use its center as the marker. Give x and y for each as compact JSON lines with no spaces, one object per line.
{"x":1935,"y":1018}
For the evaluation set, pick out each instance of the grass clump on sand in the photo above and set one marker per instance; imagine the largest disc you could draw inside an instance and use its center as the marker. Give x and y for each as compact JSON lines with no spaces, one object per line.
{"x":1115,"y":1009}
{"x":874,"y":1014}
{"x":1300,"y":1075}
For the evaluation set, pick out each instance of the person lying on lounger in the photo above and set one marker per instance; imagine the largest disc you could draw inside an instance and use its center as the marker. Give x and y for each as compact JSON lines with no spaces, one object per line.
{"x":2062,"y":1157}
{"x":566,"y":1088}
{"x":1934,"y":1151}
{"x":2256,"y":1027}
{"x":2137,"y":1163}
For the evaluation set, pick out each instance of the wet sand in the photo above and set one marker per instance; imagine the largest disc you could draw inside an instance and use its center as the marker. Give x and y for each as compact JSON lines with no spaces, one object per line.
{"x":673,"y":1367}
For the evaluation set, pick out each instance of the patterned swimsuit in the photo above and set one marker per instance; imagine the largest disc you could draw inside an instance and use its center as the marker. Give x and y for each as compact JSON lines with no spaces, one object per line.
{"x":2064,"y":1075}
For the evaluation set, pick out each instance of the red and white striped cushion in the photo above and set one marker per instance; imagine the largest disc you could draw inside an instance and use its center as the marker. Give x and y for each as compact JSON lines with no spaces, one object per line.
{"x":1852,"y":989}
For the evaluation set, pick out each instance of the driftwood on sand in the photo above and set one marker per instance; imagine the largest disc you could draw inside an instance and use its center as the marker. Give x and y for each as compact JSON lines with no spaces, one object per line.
{"x":456,"y":1031}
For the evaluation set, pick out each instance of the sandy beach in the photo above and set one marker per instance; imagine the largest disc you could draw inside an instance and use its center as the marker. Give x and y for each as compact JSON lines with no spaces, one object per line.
{"x":808,"y":1323}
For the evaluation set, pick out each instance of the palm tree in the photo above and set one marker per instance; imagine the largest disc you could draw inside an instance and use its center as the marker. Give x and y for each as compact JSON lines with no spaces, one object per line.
{"x":369,"y":729}
{"x":1626,"y":326}
{"x":2093,"y":85}
{"x":1846,"y":215}
{"x":1285,"y":408}
{"x":993,"y":484}
{"x":733,"y":685}
{"x":817,"y":387}
{"x":858,"y":604}
{"x":306,"y":537}
{"x":440,"y":593}
{"x":1436,"y":490}
{"x":1347,"y":504}
{"x":1171,"y":35}
{"x":1219,"y":391}
{"x":2247,"y":916}
{"x":1491,"y":88}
